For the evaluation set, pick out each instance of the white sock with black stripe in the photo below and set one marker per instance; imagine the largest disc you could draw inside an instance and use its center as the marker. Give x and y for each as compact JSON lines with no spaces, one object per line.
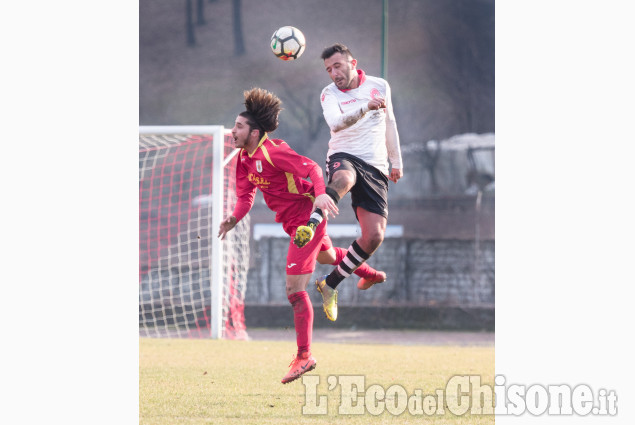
{"x":315,"y":219}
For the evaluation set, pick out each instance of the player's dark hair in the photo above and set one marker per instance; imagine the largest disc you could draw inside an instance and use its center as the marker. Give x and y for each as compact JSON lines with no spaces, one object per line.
{"x":336,"y":48}
{"x":262,"y":111}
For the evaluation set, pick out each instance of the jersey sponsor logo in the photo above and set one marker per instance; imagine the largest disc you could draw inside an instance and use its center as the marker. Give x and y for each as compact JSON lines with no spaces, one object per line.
{"x":349,"y":101}
{"x":257,"y":180}
{"x":374,"y":93}
{"x":259,"y":165}
{"x":291,"y":265}
{"x":323,"y":96}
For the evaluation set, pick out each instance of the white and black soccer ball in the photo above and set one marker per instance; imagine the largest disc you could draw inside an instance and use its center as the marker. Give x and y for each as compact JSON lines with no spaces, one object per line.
{"x":287,"y":43}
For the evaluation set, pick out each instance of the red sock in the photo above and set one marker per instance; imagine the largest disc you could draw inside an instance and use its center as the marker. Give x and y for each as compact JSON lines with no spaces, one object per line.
{"x":303,"y":319}
{"x":364,"y":270}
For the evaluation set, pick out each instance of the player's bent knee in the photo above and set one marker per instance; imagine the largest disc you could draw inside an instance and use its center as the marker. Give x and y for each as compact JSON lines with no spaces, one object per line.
{"x":376,"y":242}
{"x":342,"y":181}
{"x":297,"y":283}
{"x":372,"y":240}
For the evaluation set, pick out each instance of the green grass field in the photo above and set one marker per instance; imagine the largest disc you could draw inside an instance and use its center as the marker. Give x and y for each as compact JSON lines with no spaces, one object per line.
{"x":192,"y":381}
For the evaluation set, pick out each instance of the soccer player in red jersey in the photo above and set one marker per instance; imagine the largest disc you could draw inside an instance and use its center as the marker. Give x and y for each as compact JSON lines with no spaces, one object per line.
{"x":280,"y":173}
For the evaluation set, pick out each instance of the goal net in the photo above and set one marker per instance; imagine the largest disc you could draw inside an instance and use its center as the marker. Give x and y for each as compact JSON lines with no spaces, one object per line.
{"x":191,"y":284}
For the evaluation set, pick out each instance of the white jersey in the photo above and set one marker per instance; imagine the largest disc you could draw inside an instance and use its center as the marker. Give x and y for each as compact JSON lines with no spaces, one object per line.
{"x":369,"y":135}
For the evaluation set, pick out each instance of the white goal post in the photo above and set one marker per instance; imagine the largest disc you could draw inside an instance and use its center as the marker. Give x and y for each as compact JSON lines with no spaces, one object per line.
{"x":185,"y":269}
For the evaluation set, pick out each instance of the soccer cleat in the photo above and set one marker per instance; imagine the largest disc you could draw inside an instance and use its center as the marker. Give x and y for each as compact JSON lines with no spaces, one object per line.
{"x":365,"y":283}
{"x":329,"y":298}
{"x":300,"y":365}
{"x":303,"y":235}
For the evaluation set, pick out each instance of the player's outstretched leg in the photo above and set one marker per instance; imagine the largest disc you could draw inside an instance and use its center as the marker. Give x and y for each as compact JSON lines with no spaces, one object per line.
{"x":301,"y":364}
{"x":369,"y":276}
{"x":329,"y":298}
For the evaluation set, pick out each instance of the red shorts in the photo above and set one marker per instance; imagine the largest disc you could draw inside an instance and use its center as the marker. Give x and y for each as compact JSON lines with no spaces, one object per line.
{"x":302,"y":260}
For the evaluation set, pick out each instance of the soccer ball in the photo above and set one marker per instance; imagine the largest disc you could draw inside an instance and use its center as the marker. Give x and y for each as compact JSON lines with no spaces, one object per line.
{"x":287,"y":43}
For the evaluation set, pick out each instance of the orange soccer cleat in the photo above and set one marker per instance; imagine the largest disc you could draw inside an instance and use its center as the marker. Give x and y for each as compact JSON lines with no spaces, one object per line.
{"x":301,"y":364}
{"x":365,"y":283}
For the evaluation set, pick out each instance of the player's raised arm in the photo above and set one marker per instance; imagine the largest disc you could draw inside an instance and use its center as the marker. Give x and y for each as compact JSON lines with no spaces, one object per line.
{"x":334,"y":117}
{"x":392,"y":140}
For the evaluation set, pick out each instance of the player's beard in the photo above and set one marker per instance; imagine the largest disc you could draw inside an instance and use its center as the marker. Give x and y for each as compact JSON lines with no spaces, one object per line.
{"x":346,"y":82}
{"x":240,"y":142}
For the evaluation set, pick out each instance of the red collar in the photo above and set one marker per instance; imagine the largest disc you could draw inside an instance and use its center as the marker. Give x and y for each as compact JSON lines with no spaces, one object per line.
{"x":362,"y":77}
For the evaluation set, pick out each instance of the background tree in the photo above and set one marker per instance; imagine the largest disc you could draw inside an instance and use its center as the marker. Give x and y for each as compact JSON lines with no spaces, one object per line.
{"x":239,"y":43}
{"x":189,"y":23}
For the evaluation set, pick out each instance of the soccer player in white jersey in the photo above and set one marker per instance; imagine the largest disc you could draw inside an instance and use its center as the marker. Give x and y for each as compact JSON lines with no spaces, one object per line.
{"x":358,"y":110}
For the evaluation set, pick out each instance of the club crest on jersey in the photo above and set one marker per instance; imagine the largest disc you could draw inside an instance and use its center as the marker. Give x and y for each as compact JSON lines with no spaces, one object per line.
{"x":374,"y":93}
{"x":259,"y":166}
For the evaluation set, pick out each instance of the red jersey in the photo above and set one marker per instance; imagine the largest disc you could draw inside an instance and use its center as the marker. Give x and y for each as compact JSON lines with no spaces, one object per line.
{"x":279,"y":172}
